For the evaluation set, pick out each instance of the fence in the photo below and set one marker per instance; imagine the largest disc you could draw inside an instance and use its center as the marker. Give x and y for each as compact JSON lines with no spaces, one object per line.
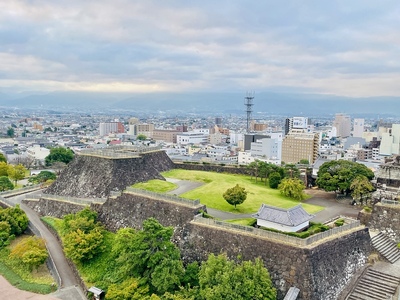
{"x":165,"y":197}
{"x":390,"y":202}
{"x":21,"y":190}
{"x":84,"y":201}
{"x":119,"y":152}
{"x":275,"y":235}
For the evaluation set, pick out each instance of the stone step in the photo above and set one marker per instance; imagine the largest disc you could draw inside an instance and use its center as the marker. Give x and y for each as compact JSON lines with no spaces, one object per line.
{"x":386,"y":247}
{"x":375,"y":285}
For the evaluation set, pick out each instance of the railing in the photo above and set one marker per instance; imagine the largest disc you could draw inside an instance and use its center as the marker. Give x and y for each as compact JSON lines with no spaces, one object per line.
{"x":7,"y":202}
{"x":275,"y":235}
{"x":84,"y":201}
{"x":390,"y":202}
{"x":21,"y":190}
{"x":165,"y":197}
{"x":118,"y":152}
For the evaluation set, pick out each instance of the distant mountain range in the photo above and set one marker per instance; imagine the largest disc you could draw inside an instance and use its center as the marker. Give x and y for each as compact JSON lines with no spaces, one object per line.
{"x":218,"y":103}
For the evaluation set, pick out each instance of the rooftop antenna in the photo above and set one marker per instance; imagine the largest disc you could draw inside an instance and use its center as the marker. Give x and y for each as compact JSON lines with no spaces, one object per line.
{"x":248,"y":102}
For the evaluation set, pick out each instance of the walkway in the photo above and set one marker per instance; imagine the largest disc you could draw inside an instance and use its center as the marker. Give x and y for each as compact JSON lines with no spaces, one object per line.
{"x":69,"y":286}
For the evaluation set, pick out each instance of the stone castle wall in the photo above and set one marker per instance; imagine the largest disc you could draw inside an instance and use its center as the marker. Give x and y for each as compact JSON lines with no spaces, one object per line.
{"x":213,"y":168}
{"x":383,"y":218}
{"x":320,"y":271}
{"x":93,"y":176}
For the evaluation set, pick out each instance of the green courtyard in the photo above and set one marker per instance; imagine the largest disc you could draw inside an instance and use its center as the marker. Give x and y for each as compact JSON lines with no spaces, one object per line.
{"x":215,"y":184}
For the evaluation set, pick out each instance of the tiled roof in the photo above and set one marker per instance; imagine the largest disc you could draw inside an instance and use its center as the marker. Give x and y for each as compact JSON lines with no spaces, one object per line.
{"x":290,"y":217}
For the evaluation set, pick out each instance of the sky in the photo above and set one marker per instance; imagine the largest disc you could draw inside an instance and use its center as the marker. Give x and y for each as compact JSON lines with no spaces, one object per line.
{"x":345,"y":48}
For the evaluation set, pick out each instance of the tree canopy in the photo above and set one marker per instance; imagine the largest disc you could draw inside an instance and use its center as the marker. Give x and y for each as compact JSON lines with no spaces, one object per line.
{"x":360,"y":187}
{"x":59,"y":154}
{"x":292,"y":188}
{"x":5,"y":184}
{"x":221,"y":278}
{"x":43,"y":176}
{"x":236,"y":195}
{"x":337,"y":175}
{"x":31,"y":251}
{"x":16,"y":172}
{"x":3,"y":158}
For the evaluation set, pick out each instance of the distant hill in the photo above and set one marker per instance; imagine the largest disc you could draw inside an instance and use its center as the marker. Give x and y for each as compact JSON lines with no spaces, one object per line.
{"x":207,"y":102}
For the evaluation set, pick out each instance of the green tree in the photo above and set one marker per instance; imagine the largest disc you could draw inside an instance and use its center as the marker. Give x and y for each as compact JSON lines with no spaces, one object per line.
{"x":31,"y":251}
{"x":16,"y":172}
{"x":304,"y":161}
{"x":3,"y":158}
{"x":3,"y":168}
{"x":221,"y":278}
{"x":59,"y":154}
{"x":81,"y":247}
{"x":42,"y":177}
{"x":291,"y":171}
{"x":83,"y":236}
{"x":129,"y":289}
{"x":149,"y":254}
{"x":10,"y":132}
{"x":236,"y":195}
{"x":274,"y":180}
{"x":5,"y":184}
{"x":360,"y":187}
{"x":5,"y":230}
{"x":338,"y":175}
{"x":16,"y":218}
{"x":141,"y":137}
{"x":292,"y":188}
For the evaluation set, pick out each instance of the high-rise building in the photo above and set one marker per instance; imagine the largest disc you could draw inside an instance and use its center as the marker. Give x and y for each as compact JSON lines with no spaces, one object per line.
{"x":297,"y":123}
{"x":132,"y":130}
{"x":298,"y":145}
{"x":111,"y":127}
{"x":342,"y":123}
{"x":358,"y":128}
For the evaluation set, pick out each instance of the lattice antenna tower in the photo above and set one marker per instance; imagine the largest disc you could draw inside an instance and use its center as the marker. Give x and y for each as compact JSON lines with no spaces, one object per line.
{"x":248,"y":102}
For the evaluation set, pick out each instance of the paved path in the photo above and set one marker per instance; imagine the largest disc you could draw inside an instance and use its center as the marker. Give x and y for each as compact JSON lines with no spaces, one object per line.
{"x":69,"y":286}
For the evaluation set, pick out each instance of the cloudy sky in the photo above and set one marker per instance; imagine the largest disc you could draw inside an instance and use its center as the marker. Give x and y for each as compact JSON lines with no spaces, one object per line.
{"x":348,"y":48}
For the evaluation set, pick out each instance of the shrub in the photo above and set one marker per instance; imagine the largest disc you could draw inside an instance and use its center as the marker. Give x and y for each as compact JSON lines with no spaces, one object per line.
{"x":339,"y":222}
{"x":367,"y":209}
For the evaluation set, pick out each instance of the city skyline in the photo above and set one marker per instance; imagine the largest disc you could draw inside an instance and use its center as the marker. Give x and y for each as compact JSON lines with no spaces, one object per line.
{"x":328,"y":48}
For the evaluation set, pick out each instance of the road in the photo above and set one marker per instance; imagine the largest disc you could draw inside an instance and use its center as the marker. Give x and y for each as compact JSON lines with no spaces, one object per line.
{"x":69,"y":289}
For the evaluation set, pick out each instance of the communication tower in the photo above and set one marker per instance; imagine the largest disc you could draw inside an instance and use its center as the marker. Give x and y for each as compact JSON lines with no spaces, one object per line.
{"x":248,"y":102}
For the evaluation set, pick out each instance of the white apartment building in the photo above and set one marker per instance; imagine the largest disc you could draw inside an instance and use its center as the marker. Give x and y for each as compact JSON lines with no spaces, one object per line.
{"x":390,"y":143}
{"x":267,"y":148}
{"x":358,"y":128}
{"x":342,"y":123}
{"x":191,"y":137}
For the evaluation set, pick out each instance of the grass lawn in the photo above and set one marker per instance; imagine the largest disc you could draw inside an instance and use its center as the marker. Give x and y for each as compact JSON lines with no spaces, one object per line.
{"x":37,"y":281}
{"x":245,"y":221}
{"x":156,"y":185}
{"x":216,"y":184}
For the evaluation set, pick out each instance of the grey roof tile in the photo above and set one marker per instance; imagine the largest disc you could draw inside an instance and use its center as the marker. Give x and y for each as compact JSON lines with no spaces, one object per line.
{"x":290,"y":217}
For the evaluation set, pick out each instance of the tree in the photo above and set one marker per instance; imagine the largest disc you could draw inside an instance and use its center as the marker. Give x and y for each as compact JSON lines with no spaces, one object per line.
{"x":148,"y":254}
{"x":292,"y":188}
{"x":83,"y":235}
{"x":274,"y":180}
{"x":304,"y":161}
{"x":337,"y":175}
{"x":3,"y":158}
{"x":26,"y":161}
{"x":291,"y":171}
{"x":80,"y":246}
{"x":360,"y":187}
{"x":10,"y":132}
{"x":253,"y":167}
{"x":60,"y":154}
{"x":31,"y":251}
{"x":221,"y":278}
{"x":236,"y":195}
{"x":16,"y":172}
{"x":129,"y":289}
{"x":141,"y":137}
{"x":42,"y":177}
{"x":5,"y":230}
{"x":5,"y":184}
{"x":3,"y":168}
{"x":16,"y":218}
